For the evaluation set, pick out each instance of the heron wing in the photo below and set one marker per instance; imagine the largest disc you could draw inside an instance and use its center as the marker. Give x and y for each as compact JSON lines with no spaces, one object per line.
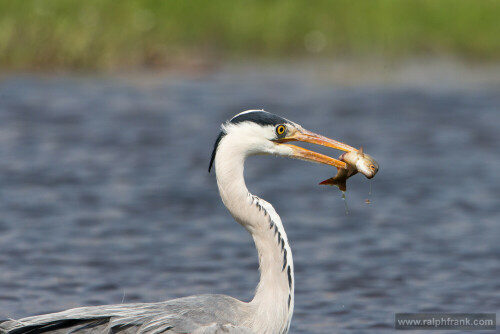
{"x":222,"y":329}
{"x":204,"y":314}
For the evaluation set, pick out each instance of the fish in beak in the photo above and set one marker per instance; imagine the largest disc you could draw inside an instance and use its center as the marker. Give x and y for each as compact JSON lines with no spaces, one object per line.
{"x":348,"y":164}
{"x":314,"y":138}
{"x":356,"y":162}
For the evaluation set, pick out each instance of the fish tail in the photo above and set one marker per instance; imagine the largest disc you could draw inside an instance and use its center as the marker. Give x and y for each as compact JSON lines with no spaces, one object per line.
{"x":341,"y":184}
{"x":328,"y":182}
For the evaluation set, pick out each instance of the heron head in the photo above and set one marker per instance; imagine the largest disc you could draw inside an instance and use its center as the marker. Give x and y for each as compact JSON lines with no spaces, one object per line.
{"x":255,"y":132}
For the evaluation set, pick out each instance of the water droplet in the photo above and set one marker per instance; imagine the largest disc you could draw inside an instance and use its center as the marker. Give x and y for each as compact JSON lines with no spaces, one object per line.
{"x":367,"y":201}
{"x":345,"y":203}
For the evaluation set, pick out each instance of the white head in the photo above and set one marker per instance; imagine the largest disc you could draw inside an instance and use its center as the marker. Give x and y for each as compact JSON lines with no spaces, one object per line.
{"x":256,"y":132}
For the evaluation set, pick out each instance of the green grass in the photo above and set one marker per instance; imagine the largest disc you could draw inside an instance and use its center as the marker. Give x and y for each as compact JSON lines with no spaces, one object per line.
{"x":89,"y":34}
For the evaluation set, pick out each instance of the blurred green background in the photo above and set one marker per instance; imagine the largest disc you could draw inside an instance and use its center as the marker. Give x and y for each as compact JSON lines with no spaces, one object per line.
{"x":109,"y":34}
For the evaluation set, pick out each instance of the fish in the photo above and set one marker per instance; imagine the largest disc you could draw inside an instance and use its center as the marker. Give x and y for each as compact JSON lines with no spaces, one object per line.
{"x":356,"y":161}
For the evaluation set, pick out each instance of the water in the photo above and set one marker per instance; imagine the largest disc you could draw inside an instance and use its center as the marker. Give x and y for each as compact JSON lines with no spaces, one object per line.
{"x":105,"y":196}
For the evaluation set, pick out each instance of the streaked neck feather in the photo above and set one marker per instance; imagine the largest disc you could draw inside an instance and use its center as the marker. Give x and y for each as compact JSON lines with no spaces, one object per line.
{"x":274,"y":298}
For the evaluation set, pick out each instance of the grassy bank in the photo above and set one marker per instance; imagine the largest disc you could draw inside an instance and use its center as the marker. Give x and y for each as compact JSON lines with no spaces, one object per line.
{"x":44,"y":34}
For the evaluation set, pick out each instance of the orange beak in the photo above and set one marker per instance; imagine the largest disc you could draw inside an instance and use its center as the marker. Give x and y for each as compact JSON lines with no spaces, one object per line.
{"x":314,"y":138}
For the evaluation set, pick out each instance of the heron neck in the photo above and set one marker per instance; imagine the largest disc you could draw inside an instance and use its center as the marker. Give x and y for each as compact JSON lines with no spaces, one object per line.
{"x":274,"y":298}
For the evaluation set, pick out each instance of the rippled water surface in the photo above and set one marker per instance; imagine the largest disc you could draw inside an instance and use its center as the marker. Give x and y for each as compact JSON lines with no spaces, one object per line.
{"x":105,"y":196}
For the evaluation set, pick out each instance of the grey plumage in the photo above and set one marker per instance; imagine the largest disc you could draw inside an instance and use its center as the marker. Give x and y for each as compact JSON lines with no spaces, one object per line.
{"x":207,"y":314}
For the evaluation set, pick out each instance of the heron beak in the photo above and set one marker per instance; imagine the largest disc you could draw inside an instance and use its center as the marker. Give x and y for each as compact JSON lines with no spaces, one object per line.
{"x":314,"y":138}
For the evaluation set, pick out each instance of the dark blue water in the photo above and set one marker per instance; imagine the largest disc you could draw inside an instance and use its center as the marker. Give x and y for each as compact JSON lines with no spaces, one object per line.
{"x":105,"y":196}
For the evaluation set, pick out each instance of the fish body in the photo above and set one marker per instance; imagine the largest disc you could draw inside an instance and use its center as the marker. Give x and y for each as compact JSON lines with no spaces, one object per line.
{"x":356,"y":161}
{"x":340,"y":178}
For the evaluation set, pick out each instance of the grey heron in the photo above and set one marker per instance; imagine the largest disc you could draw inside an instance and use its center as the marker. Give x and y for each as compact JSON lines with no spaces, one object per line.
{"x":252,"y":132}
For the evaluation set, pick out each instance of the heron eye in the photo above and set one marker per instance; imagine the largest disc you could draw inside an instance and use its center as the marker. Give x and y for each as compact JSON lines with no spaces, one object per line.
{"x":280,"y":130}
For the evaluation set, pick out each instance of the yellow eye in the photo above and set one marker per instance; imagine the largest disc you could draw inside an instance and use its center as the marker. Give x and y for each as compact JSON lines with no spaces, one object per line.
{"x":280,"y":130}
